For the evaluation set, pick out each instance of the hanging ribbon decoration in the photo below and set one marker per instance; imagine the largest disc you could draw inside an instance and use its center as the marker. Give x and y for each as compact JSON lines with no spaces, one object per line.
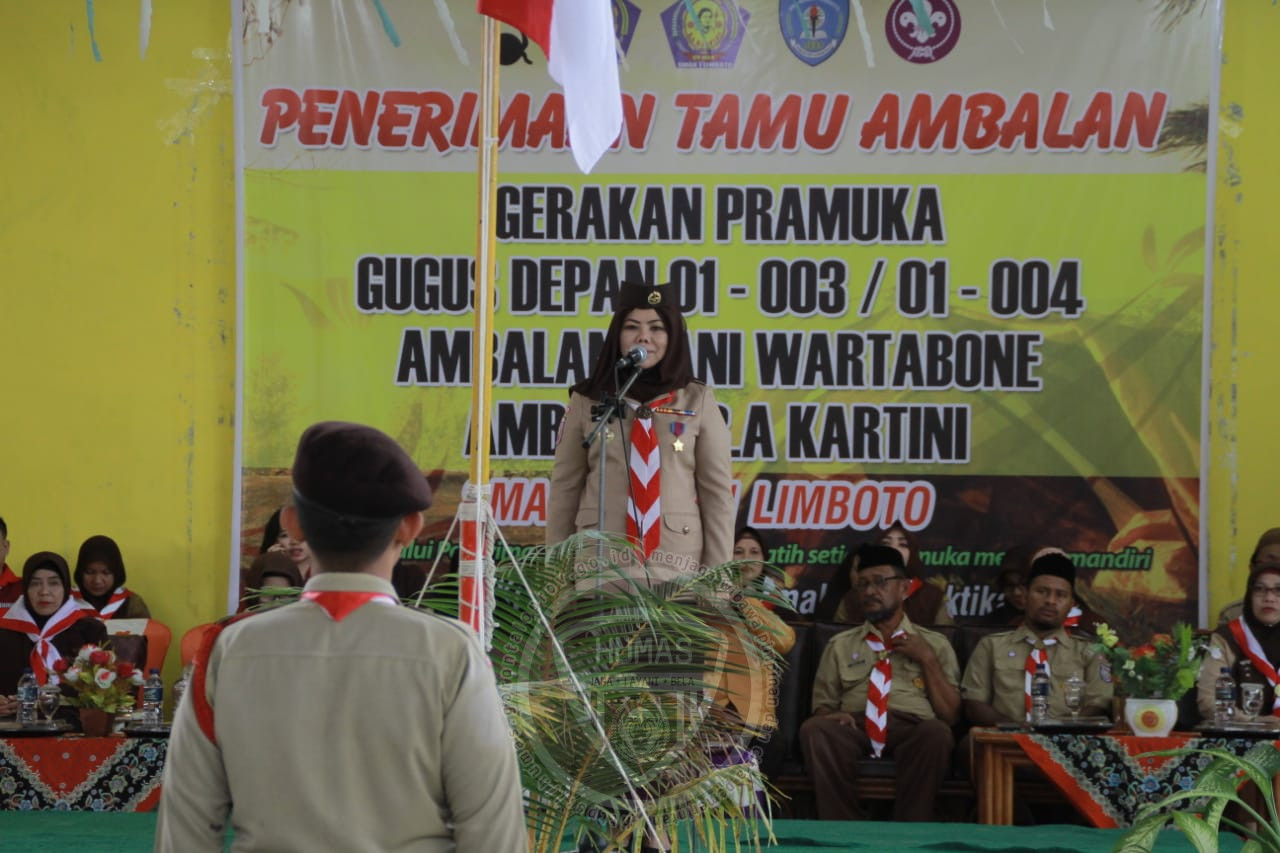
{"x":388,"y":27}
{"x":144,"y":29}
{"x":93,"y":38}
{"x":922,"y":17}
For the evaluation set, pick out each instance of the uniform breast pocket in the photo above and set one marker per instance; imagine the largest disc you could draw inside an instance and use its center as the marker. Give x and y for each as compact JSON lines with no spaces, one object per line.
{"x":1010,"y":671}
{"x":683,"y":523}
{"x":854,"y":672}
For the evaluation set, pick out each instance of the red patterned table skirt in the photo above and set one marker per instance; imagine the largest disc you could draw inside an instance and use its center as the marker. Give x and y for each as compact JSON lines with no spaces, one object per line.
{"x":1108,"y":778}
{"x":81,"y":773}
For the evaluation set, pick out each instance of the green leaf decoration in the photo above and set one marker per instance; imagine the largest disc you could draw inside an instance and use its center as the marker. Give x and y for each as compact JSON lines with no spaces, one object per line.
{"x":589,"y":654}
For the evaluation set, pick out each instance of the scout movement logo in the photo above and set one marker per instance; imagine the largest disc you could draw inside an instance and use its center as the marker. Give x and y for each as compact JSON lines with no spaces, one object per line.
{"x":912,"y":40}
{"x":704,"y":33}
{"x":813,"y":29}
{"x":626,"y":16}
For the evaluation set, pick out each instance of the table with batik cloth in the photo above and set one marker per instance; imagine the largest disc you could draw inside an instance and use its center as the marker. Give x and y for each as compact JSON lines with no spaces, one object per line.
{"x":1101,"y":775}
{"x":81,"y":773}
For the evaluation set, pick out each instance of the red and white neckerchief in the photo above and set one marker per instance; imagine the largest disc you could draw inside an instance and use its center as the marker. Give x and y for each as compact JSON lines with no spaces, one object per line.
{"x":341,"y":603}
{"x":1035,"y":657}
{"x":43,"y":653}
{"x":878,"y":692}
{"x":644,"y":498}
{"x":1073,"y":618}
{"x":114,"y":603}
{"x":1249,"y":644}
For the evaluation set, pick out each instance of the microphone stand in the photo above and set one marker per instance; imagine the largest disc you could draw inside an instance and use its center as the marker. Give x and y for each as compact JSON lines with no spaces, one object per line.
{"x":603,"y":413}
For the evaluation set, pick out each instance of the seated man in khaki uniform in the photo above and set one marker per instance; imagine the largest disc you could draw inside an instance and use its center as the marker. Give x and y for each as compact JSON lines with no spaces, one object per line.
{"x":997,"y":679}
{"x":884,"y":688}
{"x":344,"y":721}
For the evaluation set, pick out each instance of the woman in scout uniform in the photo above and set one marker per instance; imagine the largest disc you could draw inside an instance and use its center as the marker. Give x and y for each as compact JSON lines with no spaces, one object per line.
{"x":667,"y":462}
{"x":1253,"y":636}
{"x":100,"y":581}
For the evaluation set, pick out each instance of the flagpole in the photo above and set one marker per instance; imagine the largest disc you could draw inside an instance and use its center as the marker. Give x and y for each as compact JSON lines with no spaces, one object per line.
{"x":477,"y":532}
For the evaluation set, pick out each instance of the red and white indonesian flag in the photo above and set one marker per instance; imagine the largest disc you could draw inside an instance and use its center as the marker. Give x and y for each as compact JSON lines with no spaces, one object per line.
{"x":577,"y":37}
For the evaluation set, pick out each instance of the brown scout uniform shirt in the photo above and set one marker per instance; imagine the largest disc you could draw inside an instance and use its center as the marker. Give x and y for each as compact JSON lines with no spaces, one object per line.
{"x":845,"y":669}
{"x":997,"y":669}
{"x":382,"y":732}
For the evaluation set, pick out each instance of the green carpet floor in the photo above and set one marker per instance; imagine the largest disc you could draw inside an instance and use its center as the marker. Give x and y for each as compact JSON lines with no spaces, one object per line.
{"x":28,"y":832}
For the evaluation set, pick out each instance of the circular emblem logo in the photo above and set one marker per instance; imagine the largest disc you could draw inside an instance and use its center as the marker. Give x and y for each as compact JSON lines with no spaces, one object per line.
{"x":912,"y":40}
{"x":707,"y":30}
{"x":654,"y":297}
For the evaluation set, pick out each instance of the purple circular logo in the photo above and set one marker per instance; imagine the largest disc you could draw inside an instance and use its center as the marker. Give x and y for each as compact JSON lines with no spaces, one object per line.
{"x":911,"y":39}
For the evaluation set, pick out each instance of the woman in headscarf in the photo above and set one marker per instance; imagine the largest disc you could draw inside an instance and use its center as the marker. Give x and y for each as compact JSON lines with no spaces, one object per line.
{"x":669,"y":483}
{"x":100,"y":581}
{"x":926,"y":603}
{"x":1253,"y":637}
{"x":44,"y":625}
{"x":272,"y":570}
{"x":1267,"y":550}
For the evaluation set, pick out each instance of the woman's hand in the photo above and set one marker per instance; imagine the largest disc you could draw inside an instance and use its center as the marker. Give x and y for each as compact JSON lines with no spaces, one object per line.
{"x":8,"y":706}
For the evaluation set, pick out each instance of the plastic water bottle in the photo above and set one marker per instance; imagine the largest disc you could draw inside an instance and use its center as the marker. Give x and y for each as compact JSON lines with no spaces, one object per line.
{"x":28,"y":692}
{"x":1040,"y":687}
{"x":180,"y":688}
{"x":1224,"y":697}
{"x":152,"y":698}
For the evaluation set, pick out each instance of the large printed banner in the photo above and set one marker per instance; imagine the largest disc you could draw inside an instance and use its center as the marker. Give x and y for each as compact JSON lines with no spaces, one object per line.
{"x":946,"y":273}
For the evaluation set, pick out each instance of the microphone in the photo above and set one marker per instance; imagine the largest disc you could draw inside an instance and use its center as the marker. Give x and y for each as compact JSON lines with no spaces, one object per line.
{"x":633,"y":358}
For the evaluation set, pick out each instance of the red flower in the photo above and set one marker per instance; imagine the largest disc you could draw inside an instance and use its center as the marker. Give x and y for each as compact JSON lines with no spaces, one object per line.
{"x":99,"y":658}
{"x":1147,"y":651}
{"x":60,"y":666}
{"x":1162,"y":640}
{"x":124,"y":669}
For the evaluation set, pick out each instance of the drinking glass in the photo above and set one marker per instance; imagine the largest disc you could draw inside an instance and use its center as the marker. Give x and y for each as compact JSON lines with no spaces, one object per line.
{"x":1073,"y":697}
{"x":1251,"y":699}
{"x":48,"y":699}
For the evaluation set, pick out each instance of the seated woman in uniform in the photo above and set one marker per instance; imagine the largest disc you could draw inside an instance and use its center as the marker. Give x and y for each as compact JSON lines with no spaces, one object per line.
{"x":46,"y":624}
{"x":100,"y":580}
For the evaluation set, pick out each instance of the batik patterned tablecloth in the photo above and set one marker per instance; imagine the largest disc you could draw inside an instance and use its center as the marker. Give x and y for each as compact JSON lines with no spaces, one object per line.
{"x":1107,"y":780}
{"x":80,"y":773}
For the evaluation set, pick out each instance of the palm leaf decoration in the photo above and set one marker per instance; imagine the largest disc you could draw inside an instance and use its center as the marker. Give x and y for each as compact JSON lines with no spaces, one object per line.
{"x":569,"y":623}
{"x":647,"y":749}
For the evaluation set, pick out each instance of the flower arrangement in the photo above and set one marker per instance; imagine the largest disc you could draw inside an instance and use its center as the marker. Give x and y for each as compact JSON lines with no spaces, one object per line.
{"x":99,"y":680}
{"x":1164,"y":668}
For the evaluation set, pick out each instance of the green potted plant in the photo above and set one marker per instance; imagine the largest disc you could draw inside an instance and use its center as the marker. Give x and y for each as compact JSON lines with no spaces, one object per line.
{"x":1204,"y":811}
{"x":1153,"y":676}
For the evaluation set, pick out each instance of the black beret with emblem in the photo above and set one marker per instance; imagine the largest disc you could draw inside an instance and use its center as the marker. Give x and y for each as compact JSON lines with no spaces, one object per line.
{"x":634,"y":294}
{"x":352,"y":469}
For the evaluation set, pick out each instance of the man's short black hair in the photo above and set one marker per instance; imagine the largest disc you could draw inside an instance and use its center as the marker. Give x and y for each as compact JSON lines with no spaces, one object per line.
{"x":343,"y":542}
{"x":4,"y":529}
